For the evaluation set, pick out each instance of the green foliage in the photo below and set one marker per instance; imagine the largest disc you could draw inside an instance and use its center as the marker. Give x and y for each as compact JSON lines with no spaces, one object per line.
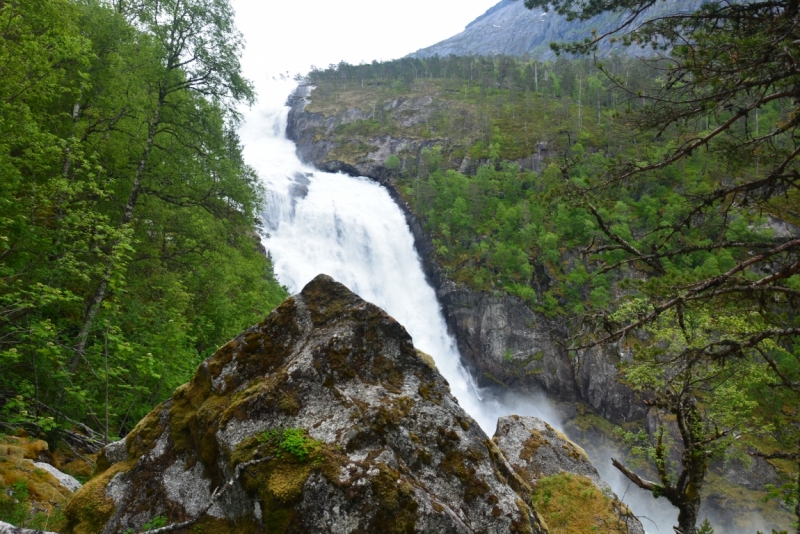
{"x":157,"y":522}
{"x":705,"y":528}
{"x":15,"y":503}
{"x":292,"y":441}
{"x":127,"y":245}
{"x":393,"y":163}
{"x":612,"y":229}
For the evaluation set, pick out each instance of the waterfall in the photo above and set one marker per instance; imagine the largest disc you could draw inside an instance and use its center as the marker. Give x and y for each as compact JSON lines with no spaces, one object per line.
{"x":351,"y":229}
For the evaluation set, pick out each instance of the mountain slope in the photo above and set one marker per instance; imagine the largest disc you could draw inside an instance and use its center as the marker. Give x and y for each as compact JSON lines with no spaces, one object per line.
{"x":509,"y":28}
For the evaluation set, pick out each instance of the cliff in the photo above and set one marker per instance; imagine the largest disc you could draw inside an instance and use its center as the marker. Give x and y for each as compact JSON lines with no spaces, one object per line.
{"x":323,"y":417}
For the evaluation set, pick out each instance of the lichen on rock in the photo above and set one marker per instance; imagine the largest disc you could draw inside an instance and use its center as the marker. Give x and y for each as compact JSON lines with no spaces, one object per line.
{"x":343,"y":427}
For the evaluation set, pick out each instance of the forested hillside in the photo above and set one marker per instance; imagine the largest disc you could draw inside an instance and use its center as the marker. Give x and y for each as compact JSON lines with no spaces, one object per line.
{"x":505,"y":137}
{"x":609,"y":200}
{"x":128,"y":235}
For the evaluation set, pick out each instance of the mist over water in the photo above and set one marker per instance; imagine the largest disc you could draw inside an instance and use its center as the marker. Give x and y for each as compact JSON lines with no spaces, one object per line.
{"x":351,"y":229}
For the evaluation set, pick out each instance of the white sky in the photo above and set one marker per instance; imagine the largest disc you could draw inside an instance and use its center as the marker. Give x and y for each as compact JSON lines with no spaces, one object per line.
{"x":290,"y":35}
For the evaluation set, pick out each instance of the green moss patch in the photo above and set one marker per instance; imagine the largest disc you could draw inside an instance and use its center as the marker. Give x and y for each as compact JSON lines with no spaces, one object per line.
{"x":29,"y":496}
{"x":572,"y":504}
{"x":397,"y":512}
{"x":278,"y":482}
{"x":532,"y":444}
{"x":90,"y":508}
{"x":459,"y":464}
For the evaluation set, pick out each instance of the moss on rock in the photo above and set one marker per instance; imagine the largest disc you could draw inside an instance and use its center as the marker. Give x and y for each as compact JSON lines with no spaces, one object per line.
{"x":28,"y":493}
{"x":90,"y":508}
{"x":346,"y":428}
{"x":572,"y":504}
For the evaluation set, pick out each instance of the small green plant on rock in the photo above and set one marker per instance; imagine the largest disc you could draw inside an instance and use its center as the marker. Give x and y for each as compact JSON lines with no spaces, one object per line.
{"x":292,"y":441}
{"x":14,"y":503}
{"x":393,"y":163}
{"x":157,"y":522}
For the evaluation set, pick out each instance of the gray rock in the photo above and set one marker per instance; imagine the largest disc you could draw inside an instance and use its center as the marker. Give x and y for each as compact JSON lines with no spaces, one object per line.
{"x":782,"y":229}
{"x":303,"y":128}
{"x":116,"y":452}
{"x":64,"y":479}
{"x":5,"y":528}
{"x":509,"y":28}
{"x":536,"y":450}
{"x":391,"y":446}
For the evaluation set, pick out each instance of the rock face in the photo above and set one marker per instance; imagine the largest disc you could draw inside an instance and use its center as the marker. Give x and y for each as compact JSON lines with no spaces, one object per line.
{"x":321,"y":418}
{"x":536,"y":450}
{"x":68,"y":481}
{"x":6,"y":528}
{"x":509,"y":28}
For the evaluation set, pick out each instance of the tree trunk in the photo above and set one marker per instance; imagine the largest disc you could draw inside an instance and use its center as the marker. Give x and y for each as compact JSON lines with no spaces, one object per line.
{"x":127,"y":216}
{"x":687,"y":517}
{"x":65,"y":167}
{"x":694,"y":462}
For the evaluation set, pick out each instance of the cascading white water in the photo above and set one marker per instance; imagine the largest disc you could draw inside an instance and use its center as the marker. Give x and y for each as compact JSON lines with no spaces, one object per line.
{"x":351,"y":229}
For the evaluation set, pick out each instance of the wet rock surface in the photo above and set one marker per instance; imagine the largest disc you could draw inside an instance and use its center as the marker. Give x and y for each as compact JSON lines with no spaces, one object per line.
{"x":536,"y":450}
{"x":312,"y":134}
{"x":387,"y":447}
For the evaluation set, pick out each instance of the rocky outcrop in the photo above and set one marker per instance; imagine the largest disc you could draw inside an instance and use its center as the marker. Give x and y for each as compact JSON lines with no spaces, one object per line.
{"x":312,"y":134}
{"x":502,"y":341}
{"x":323,"y":417}
{"x":536,"y":451}
{"x":68,"y":481}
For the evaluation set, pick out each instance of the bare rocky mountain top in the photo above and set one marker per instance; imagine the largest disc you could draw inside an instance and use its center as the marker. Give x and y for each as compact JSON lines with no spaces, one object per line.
{"x":509,"y":28}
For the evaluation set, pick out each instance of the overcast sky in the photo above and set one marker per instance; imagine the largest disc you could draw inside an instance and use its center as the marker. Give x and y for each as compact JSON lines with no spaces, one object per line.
{"x":288,"y":35}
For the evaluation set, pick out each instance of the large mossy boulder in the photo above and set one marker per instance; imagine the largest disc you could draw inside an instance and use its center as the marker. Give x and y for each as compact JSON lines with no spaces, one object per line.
{"x":322,"y":418}
{"x":567,"y":489}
